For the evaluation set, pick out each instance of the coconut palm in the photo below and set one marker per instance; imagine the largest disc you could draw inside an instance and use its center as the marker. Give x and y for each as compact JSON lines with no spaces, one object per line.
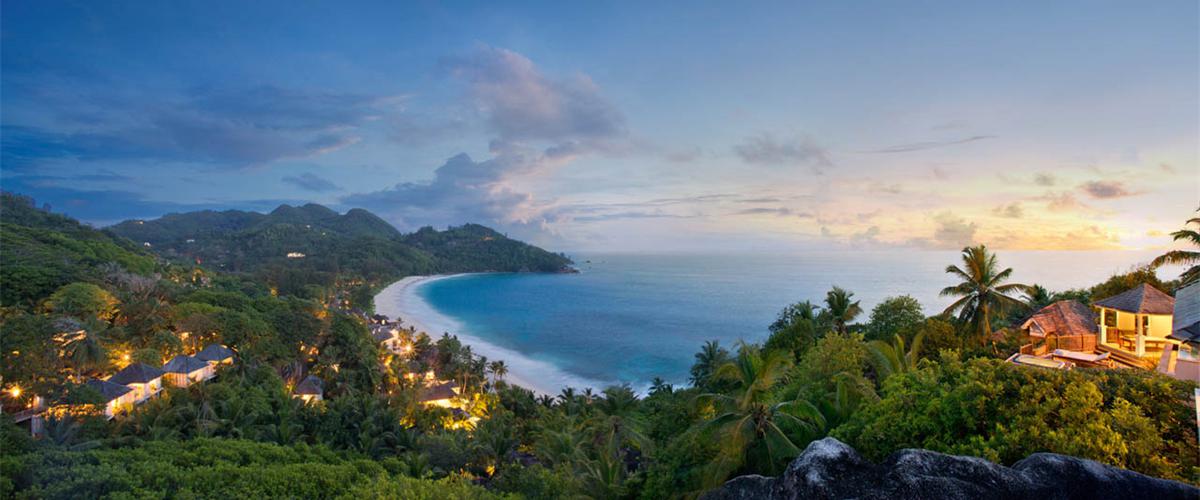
{"x":892,"y":359}
{"x":708,"y":360}
{"x":83,"y":345}
{"x":498,"y":369}
{"x":983,"y":291}
{"x":840,"y":308}
{"x":755,"y":431}
{"x":1184,"y":257}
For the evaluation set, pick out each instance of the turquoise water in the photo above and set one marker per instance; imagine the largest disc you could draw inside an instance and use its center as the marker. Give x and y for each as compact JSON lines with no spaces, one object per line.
{"x":629,"y":318}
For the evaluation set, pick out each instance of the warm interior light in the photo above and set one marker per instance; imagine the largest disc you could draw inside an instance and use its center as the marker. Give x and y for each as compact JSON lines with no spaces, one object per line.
{"x":15,"y":391}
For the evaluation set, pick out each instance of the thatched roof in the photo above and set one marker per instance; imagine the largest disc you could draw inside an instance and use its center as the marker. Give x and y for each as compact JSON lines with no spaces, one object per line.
{"x":109,"y":390}
{"x":310,"y":385}
{"x":137,"y":373}
{"x":1062,"y":318}
{"x":214,"y":353}
{"x":437,"y":392}
{"x":1142,"y":299}
{"x":184,"y":364}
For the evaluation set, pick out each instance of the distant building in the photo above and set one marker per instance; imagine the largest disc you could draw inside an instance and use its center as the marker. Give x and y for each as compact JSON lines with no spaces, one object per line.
{"x":310,"y":389}
{"x":216,"y":354}
{"x":116,"y":397}
{"x":143,"y":379}
{"x":295,"y":255}
{"x":182,"y":371}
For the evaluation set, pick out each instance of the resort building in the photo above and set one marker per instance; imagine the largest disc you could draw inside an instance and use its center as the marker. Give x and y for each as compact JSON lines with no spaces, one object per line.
{"x":216,"y":354}
{"x":310,"y":389}
{"x":182,"y":371}
{"x":440,"y":395}
{"x":1066,"y":324}
{"x":1181,"y":355}
{"x":143,"y":379}
{"x":117,"y":398}
{"x":1134,"y":325}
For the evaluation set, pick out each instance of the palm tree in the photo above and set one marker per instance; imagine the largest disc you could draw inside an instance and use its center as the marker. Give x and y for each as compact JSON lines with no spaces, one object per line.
{"x":891,"y":359}
{"x":840,"y":308}
{"x":64,"y":432}
{"x":752,"y":428}
{"x":982,"y":290}
{"x":708,"y":360}
{"x":85,"y":346}
{"x":1184,"y":257}
{"x":498,"y":369}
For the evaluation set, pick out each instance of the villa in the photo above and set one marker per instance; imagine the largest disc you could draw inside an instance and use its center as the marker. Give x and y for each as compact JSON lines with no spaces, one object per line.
{"x":440,"y":395}
{"x":143,"y":379}
{"x":117,"y":397}
{"x":310,"y":389}
{"x":1134,"y":325}
{"x":1181,"y":356}
{"x":183,"y":370}
{"x":1067,"y":324}
{"x":216,"y":354}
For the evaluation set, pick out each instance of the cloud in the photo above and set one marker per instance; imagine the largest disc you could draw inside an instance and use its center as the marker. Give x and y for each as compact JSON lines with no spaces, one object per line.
{"x":310,"y":182}
{"x":1044,"y":179}
{"x":1010,"y":211}
{"x":108,"y":206}
{"x":629,"y":215}
{"x":1063,"y":201}
{"x":684,"y":156}
{"x":765,"y":149}
{"x":229,"y":128}
{"x":539,"y":123}
{"x":919,"y":146}
{"x":521,"y":103}
{"x":1105,"y":189}
{"x":780,"y":211}
{"x":951,"y":233}
{"x":464,"y":190}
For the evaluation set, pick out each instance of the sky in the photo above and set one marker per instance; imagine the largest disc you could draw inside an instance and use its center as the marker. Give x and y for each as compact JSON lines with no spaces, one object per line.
{"x":622,"y":126}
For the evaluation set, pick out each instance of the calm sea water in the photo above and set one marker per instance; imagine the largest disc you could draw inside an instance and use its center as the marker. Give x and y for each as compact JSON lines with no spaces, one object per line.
{"x":629,"y":318}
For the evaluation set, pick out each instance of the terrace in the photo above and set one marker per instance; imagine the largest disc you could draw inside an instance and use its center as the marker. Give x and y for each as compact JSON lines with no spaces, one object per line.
{"x":1135,"y":325}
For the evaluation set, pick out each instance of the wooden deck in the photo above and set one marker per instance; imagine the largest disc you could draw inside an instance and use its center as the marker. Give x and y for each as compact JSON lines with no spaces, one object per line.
{"x":1125,"y":358}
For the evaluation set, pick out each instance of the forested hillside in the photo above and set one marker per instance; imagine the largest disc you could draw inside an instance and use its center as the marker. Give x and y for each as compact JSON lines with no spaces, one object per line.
{"x":310,"y":250}
{"x":43,"y":251}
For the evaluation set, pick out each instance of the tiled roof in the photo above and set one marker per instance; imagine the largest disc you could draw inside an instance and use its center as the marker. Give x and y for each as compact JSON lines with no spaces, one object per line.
{"x":109,"y":390}
{"x":137,"y":373}
{"x":214,"y":352}
{"x":1143,"y":299}
{"x":184,"y":364}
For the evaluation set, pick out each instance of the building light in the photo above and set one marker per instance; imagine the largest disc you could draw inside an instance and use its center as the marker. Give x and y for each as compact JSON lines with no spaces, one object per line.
{"x":15,"y":391}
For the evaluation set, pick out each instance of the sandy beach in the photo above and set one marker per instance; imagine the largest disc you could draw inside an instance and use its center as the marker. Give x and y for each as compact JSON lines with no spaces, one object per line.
{"x":401,"y":300}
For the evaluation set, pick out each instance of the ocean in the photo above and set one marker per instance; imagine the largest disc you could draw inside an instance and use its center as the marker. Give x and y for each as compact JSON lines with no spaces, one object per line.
{"x":627,"y":318}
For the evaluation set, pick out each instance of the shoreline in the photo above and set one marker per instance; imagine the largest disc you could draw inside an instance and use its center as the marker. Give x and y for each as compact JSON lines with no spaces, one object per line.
{"x":401,"y":300}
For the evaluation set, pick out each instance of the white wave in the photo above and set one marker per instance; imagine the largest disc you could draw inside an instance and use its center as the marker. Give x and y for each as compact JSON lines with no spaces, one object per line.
{"x":401,"y":300}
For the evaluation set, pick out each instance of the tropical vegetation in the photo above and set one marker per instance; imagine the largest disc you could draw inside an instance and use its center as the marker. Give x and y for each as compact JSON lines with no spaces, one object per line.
{"x":897,"y":379}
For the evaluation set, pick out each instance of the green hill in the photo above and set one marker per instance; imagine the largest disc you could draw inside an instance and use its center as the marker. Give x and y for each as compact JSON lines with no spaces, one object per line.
{"x":43,"y":251}
{"x":298,"y":247}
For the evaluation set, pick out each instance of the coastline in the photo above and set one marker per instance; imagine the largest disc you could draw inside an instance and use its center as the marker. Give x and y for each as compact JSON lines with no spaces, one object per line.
{"x":402,"y":300}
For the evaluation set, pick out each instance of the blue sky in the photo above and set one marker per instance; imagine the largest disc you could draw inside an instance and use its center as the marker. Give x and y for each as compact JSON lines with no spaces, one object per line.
{"x":622,"y":126}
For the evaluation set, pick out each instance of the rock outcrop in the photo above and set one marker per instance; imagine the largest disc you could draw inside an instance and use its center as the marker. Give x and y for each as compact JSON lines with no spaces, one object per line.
{"x":830,"y":469}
